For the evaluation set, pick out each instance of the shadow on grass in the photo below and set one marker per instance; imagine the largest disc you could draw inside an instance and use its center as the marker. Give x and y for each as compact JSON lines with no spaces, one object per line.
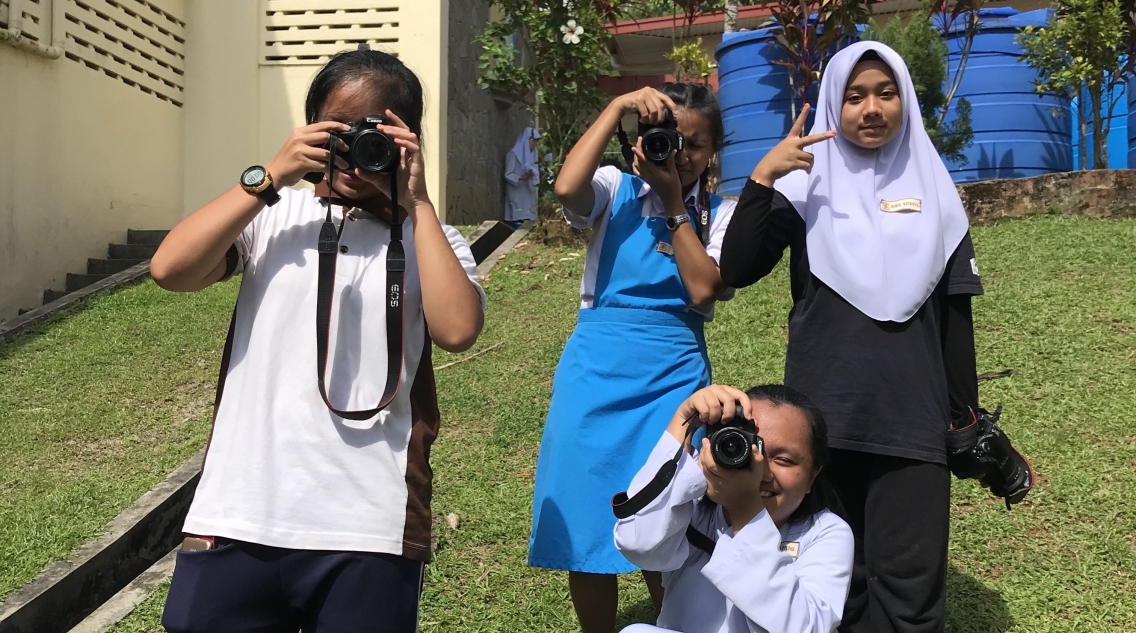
{"x":642,"y":611}
{"x":972,"y":607}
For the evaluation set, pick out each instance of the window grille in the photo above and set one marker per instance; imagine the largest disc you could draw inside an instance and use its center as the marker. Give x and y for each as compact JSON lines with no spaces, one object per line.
{"x":37,"y":19}
{"x":133,"y":41}
{"x":309,"y":32}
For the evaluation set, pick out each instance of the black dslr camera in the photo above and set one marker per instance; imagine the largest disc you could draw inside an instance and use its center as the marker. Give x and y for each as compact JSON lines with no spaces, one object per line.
{"x":980,"y":450}
{"x":367,"y":148}
{"x":730,"y":441}
{"x":660,"y":140}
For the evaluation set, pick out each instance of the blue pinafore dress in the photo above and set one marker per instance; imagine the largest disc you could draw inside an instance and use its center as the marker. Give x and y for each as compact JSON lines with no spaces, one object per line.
{"x":632,"y":359}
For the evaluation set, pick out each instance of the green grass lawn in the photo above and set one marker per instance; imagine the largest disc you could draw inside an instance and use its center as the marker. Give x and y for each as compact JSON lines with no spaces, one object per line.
{"x":101,"y":405}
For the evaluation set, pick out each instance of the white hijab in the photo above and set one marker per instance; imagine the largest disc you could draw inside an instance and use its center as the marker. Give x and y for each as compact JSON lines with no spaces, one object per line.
{"x":525,"y":154}
{"x":881,"y":224}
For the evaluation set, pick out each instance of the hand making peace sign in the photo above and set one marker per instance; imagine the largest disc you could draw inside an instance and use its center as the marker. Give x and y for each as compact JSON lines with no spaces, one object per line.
{"x":789,"y":155}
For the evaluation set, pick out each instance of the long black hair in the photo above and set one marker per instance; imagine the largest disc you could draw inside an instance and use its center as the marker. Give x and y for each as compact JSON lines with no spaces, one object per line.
{"x":701,"y":100}
{"x":385,"y":73}
{"x":823,"y":494}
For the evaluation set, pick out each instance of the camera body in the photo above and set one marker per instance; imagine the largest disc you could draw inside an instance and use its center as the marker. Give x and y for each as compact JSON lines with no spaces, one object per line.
{"x":367,"y":148}
{"x":981,"y":450}
{"x":730,"y":441}
{"x":662,"y":139}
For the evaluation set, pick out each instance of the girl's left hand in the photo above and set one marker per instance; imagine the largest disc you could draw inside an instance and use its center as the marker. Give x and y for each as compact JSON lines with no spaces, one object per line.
{"x":411,"y":169}
{"x":663,"y":179}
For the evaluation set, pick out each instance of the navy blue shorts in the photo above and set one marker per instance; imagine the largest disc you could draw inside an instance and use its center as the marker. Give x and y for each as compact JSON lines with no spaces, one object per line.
{"x":244,"y":587}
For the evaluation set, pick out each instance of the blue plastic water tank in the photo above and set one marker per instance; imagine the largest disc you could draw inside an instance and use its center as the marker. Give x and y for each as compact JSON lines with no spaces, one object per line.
{"x":1017,"y":132}
{"x":753,"y":93}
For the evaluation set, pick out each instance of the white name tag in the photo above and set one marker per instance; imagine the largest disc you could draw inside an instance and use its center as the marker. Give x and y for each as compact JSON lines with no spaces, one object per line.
{"x":665,"y":249}
{"x":901,"y":206}
{"x":791,"y":548}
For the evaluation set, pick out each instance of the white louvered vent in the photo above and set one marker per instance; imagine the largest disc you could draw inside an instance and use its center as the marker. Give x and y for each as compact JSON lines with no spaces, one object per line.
{"x":37,"y":19}
{"x":133,"y":41}
{"x":298,"y":32}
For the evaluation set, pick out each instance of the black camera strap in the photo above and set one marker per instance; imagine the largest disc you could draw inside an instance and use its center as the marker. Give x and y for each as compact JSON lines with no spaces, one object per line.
{"x":624,"y":506}
{"x":701,"y":216}
{"x":325,"y":295}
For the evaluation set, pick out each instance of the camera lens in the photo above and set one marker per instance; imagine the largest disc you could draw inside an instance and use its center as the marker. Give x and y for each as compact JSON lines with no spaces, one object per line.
{"x":730,"y":448}
{"x":373,"y":151}
{"x":657,"y":146}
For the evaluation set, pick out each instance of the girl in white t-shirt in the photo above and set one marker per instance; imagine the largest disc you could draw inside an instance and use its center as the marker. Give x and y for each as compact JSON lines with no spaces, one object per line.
{"x":313,"y":510}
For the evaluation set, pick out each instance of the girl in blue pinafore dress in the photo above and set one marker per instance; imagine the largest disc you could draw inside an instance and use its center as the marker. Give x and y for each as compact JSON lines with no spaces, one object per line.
{"x":650,"y":283}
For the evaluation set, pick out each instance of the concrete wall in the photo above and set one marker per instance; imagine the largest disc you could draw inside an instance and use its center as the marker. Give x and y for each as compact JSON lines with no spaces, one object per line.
{"x":83,"y":157}
{"x":241,"y":106}
{"x":481,"y":129}
{"x":106,"y":139}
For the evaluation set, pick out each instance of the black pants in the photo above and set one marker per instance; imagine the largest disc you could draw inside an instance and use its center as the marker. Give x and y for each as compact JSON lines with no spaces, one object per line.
{"x":899,"y":511}
{"x":246,"y":588}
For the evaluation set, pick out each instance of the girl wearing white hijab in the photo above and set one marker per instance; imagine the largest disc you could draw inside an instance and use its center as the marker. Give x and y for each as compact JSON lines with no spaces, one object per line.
{"x":521,"y":176}
{"x":882,"y":269}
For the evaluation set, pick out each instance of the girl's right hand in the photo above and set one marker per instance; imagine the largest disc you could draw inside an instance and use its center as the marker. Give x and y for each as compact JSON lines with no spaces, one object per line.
{"x":650,"y":104}
{"x":305,"y":152}
{"x":713,"y":405}
{"x":789,"y":155}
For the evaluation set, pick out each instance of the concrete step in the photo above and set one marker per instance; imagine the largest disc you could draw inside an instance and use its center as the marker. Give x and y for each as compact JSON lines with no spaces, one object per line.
{"x":135,"y":236}
{"x":52,"y":295}
{"x":75,"y":282}
{"x":132,"y":251}
{"x":110,"y":266}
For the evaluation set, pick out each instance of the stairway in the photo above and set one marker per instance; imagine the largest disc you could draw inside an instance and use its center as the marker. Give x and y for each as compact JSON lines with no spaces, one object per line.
{"x":139,"y":246}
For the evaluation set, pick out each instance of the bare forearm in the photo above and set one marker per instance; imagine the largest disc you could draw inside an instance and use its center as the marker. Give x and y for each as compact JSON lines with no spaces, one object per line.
{"x":699,"y":272}
{"x":574,"y":183}
{"x":449,"y":300}
{"x":192,"y":253}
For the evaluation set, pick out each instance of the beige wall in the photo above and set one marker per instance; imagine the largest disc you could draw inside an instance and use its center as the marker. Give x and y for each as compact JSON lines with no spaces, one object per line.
{"x":91,"y":146}
{"x":241,"y":108}
{"x":83,"y":157}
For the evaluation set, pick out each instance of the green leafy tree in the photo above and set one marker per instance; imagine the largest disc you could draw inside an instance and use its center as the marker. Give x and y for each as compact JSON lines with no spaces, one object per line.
{"x":692,"y":64}
{"x":1084,"y":49}
{"x":922,"y":47}
{"x":549,"y":55}
{"x":805,"y":44}
{"x":960,"y":19}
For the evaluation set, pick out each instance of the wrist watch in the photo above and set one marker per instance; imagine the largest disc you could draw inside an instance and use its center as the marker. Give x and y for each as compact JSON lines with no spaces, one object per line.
{"x":256,"y":181}
{"x":675,"y":221}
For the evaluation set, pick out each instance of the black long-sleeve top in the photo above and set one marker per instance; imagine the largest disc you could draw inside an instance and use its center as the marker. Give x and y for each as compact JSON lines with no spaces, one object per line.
{"x":883,"y":387}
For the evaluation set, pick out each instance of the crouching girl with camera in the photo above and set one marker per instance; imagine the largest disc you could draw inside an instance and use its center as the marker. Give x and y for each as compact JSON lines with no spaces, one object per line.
{"x":750,"y":545}
{"x":313,"y":510}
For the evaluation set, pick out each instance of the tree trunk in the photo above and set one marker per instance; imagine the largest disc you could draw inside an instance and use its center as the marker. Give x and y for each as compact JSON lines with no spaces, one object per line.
{"x":1084,"y":134}
{"x":1100,"y":151}
{"x":731,"y":16}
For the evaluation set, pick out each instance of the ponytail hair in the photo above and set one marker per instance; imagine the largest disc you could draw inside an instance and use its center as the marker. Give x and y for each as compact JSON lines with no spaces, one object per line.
{"x":701,"y":99}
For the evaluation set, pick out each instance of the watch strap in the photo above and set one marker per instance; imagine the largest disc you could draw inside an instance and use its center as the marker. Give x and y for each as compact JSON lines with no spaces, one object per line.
{"x":675,"y":221}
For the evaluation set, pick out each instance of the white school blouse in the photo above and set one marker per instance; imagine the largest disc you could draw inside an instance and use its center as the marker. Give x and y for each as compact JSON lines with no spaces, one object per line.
{"x":749,"y":585}
{"x":605,"y":185}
